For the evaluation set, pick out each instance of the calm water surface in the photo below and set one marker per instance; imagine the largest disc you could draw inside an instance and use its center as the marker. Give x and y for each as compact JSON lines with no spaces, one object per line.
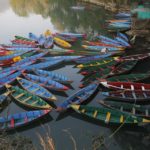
{"x":19,"y":17}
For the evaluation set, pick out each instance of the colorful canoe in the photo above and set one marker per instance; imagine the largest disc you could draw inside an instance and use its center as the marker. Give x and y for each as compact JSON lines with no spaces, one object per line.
{"x":31,"y":43}
{"x":9,"y":79}
{"x":17,"y":120}
{"x":109,"y":116}
{"x":53,"y":76}
{"x":36,"y":89}
{"x":22,"y":38}
{"x":43,"y":65}
{"x":30,"y":58}
{"x":135,"y":57}
{"x":97,"y":62}
{"x":64,"y":58}
{"x":133,"y":109}
{"x":41,"y":40}
{"x":62,"y":43}
{"x":22,"y":49}
{"x":99,"y":48}
{"x":48,"y":42}
{"x":75,"y":35}
{"x":33,"y":37}
{"x":27,"y":99}
{"x":124,"y":67}
{"x":46,"y":82}
{"x":126,"y":86}
{"x":66,"y":38}
{"x":129,"y":77}
{"x":128,"y":96}
{"x":79,"y":97}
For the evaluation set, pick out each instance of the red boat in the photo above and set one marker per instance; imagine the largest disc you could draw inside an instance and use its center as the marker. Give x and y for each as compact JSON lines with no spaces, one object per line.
{"x":9,"y":62}
{"x":4,"y":52}
{"x":24,"y":42}
{"x":126,"y":85}
{"x":99,"y":43}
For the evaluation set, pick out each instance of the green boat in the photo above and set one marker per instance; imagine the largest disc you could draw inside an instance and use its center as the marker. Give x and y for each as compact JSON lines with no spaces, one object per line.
{"x":98,"y":68}
{"x":133,"y":109}
{"x":92,"y":77}
{"x":97,"y":62}
{"x":109,"y":116}
{"x":17,"y":37}
{"x":129,"y":77}
{"x":27,"y":99}
{"x":124,"y":67}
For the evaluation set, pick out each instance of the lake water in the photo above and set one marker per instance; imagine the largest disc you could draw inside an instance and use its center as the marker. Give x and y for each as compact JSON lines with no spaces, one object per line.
{"x":19,"y":17}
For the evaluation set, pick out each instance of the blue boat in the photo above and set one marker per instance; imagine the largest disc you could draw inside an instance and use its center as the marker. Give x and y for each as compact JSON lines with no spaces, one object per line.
{"x":9,"y":78}
{"x":22,"y":49}
{"x":123,"y":36}
{"x":122,"y":42}
{"x":48,"y":42}
{"x":33,"y":37}
{"x":31,"y":58}
{"x":99,"y":48}
{"x":75,"y":35}
{"x":41,"y":40}
{"x":14,"y":121}
{"x":53,"y":76}
{"x":79,"y":97}
{"x":36,"y":89}
{"x":43,"y":65}
{"x":46,"y":82}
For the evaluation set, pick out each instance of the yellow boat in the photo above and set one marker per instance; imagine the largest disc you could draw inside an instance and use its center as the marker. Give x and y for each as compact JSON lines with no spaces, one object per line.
{"x":58,"y":41}
{"x":62,"y":43}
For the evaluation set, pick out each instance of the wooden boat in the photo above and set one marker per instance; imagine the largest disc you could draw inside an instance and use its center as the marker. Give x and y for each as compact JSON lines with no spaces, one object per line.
{"x":99,"y":43}
{"x":62,"y":43}
{"x":9,"y":79}
{"x":3,"y":99}
{"x":124,"y":67}
{"x":123,"y":42}
{"x":123,"y":36}
{"x":129,"y":77}
{"x":128,"y":96}
{"x":99,"y":48}
{"x":22,"y":38}
{"x":9,"y":62}
{"x":99,"y":68}
{"x":43,"y":65}
{"x":53,"y":76}
{"x":135,"y":57}
{"x":33,"y":37}
{"x":133,"y":109}
{"x":4,"y":52}
{"x":64,"y":58}
{"x":79,"y":97}
{"x":109,"y":116}
{"x":11,"y":56}
{"x":48,"y":42}
{"x":13,"y":121}
{"x":5,"y":74}
{"x":91,"y":78}
{"x":117,"y":20}
{"x":31,"y":58}
{"x":27,"y":99}
{"x":36,"y":89}
{"x":126,"y":86}
{"x":67,"y":38}
{"x":98,"y":62}
{"x":46,"y":82}
{"x":5,"y":46}
{"x":24,"y":42}
{"x":108,"y":40}
{"x":41,"y":40}
{"x":75,"y":35}
{"x":22,"y":49}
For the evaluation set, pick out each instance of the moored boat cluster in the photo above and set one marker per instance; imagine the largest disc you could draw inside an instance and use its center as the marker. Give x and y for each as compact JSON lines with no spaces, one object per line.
{"x":102,"y":62}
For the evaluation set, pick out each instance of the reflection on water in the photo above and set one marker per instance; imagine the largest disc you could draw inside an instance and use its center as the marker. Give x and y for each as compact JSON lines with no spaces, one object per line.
{"x":61,"y":14}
